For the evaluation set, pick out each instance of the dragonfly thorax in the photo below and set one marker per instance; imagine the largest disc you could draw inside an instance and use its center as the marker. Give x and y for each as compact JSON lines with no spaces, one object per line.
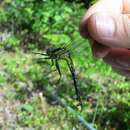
{"x":51,"y":51}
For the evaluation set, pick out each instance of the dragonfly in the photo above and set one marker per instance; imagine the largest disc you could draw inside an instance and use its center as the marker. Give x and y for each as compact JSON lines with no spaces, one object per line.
{"x":63,"y":52}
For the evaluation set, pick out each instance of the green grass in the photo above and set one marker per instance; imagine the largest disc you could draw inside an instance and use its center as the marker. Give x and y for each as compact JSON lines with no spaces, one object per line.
{"x":24,"y":101}
{"x":23,"y":79}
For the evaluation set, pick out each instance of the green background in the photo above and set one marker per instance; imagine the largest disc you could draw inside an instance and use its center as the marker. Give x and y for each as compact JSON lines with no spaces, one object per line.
{"x":28,"y":26}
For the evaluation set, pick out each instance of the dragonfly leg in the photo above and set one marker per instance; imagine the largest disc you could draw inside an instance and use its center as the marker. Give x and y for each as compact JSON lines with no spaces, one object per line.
{"x":72,"y":70}
{"x":58,"y":69}
{"x":42,"y":60}
{"x":40,"y":53}
{"x":52,"y":62}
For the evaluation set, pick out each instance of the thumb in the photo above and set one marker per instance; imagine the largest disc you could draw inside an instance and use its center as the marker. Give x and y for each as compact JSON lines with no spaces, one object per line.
{"x":112,"y":30}
{"x":108,"y":23}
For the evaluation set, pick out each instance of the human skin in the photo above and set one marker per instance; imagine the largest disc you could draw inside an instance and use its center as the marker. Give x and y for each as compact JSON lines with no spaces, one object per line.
{"x":107,"y":25}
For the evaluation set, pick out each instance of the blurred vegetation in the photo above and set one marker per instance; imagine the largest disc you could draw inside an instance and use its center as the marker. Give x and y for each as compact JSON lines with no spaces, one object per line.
{"x":28,"y":26}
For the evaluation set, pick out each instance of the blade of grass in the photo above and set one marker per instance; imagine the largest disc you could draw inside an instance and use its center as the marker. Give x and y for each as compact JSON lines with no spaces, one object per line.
{"x":87,"y":125}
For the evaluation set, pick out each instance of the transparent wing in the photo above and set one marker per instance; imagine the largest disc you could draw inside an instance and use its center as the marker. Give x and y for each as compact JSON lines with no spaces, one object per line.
{"x":74,"y":43}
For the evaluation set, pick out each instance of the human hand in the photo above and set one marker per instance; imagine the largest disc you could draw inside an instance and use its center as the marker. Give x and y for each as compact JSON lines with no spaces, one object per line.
{"x":107,"y":24}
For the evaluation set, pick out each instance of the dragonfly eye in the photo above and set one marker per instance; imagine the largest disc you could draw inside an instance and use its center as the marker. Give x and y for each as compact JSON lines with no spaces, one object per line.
{"x":49,"y":50}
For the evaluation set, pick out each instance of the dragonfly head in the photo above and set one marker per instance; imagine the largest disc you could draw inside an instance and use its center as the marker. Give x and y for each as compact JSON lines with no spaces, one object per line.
{"x":50,"y":50}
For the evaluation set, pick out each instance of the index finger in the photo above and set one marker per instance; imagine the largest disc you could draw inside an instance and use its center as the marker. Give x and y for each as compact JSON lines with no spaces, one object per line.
{"x":114,"y":6}
{"x":110,"y":6}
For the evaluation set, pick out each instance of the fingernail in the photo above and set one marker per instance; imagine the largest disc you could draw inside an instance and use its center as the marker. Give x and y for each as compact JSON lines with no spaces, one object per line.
{"x":105,"y":26}
{"x":98,"y":54}
{"x":99,"y":51}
